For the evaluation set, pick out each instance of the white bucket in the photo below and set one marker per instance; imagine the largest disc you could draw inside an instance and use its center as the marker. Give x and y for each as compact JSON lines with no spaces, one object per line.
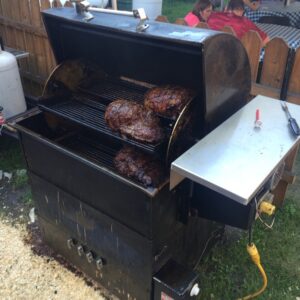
{"x":11,"y":92}
{"x":96,"y":3}
{"x":152,"y":8}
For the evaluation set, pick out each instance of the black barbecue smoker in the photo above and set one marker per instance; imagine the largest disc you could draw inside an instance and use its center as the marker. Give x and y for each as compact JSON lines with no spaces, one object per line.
{"x":139,"y":242}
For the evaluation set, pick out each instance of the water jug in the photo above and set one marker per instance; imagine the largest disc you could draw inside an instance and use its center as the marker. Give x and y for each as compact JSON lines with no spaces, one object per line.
{"x":11,"y":93}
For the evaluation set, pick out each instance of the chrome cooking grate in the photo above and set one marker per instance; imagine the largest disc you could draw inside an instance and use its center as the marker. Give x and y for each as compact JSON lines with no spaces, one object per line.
{"x":87,"y":108}
{"x":91,"y":150}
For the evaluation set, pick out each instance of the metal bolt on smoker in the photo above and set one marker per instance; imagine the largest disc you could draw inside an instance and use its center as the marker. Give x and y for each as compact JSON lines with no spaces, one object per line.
{"x":85,"y":206}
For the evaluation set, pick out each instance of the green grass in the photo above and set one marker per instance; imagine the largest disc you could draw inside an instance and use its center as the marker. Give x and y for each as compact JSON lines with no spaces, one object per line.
{"x":228,"y":273}
{"x":10,"y":155}
{"x":174,"y":9}
{"x":27,"y":198}
{"x":11,"y":160}
{"x":20,"y":179}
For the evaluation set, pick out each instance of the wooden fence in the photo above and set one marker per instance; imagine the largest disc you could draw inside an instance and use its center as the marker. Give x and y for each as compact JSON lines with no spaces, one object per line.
{"x":22,"y":28}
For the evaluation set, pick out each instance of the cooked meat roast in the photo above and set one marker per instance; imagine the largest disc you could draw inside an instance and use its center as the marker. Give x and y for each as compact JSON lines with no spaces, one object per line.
{"x":167,"y":100}
{"x":134,"y":120}
{"x":139,"y":166}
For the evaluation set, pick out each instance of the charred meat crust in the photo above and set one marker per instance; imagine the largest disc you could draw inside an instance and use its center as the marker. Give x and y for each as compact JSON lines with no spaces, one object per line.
{"x":134,"y":121}
{"x":139,"y":166}
{"x":167,"y":100}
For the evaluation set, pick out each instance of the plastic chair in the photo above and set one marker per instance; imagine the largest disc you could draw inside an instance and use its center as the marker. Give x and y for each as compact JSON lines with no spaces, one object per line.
{"x":202,"y":25}
{"x":277,"y":20}
{"x":229,"y":29}
{"x":163,"y":19}
{"x":180,"y":21}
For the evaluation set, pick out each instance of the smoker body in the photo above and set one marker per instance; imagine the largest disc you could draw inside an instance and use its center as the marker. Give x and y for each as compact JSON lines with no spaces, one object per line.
{"x":132,"y":230}
{"x":129,"y":238}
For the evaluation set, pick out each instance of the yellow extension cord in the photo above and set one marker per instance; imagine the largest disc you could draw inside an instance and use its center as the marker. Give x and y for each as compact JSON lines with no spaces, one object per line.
{"x":253,"y":252}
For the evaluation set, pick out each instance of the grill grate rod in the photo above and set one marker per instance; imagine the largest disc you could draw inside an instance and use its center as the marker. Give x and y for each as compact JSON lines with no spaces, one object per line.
{"x":112,"y":90}
{"x":86,"y":108}
{"x":100,"y":154}
{"x":91,"y":150}
{"x":94,"y":119}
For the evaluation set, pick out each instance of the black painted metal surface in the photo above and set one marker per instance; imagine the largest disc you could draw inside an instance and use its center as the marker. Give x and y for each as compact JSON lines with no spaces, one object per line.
{"x":125,"y":254}
{"x":81,"y":199}
{"x":93,"y":182}
{"x":222,"y":209}
{"x":214,"y":64}
{"x":174,"y":281}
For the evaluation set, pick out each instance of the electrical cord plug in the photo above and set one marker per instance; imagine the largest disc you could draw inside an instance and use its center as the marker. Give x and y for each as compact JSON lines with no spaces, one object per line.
{"x":267,"y":208}
{"x":253,"y":252}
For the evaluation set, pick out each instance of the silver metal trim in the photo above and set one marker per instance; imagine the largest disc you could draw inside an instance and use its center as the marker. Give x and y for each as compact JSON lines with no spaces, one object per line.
{"x":236,"y":160}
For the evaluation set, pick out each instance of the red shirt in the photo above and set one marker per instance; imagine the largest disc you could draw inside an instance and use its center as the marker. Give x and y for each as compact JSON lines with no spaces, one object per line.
{"x":240,"y":25}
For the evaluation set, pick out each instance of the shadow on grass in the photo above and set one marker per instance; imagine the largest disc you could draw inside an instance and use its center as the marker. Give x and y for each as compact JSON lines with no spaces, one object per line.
{"x":228,"y":272}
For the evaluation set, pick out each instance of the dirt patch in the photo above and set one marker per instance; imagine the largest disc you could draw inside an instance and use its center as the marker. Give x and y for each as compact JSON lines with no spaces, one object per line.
{"x":29,"y":268}
{"x":26,"y":275}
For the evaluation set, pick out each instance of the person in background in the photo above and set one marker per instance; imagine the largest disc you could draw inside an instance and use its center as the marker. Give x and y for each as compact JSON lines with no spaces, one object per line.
{"x":254,"y":5}
{"x":201,"y":12}
{"x":234,"y":18}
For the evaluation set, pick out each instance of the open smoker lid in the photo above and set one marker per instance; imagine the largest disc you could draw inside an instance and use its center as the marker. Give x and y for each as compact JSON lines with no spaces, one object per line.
{"x":212,"y":63}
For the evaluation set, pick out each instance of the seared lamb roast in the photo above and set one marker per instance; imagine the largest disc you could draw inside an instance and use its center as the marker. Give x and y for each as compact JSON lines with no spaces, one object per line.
{"x":134,"y":120}
{"x":139,"y":166}
{"x":167,"y":100}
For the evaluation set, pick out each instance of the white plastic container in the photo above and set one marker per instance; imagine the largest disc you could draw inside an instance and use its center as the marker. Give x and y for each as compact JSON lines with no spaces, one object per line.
{"x":96,"y":3}
{"x":152,"y":8}
{"x":11,"y":92}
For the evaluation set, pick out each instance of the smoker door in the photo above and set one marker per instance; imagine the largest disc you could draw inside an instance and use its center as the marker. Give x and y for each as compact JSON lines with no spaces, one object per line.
{"x":111,"y":253}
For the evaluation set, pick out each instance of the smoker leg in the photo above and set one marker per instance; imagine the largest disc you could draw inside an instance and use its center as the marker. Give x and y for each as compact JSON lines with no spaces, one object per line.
{"x":280,"y":190}
{"x":175,"y":282}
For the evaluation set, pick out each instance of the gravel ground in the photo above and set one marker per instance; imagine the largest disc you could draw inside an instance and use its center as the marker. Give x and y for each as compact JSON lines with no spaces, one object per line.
{"x":26,"y":275}
{"x":28,"y":268}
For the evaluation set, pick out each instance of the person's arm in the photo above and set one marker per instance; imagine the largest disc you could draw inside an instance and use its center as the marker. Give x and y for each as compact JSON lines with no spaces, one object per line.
{"x":251,"y":26}
{"x":265,"y":41}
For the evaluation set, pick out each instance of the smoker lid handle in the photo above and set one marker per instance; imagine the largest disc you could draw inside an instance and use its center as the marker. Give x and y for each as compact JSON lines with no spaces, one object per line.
{"x":83,"y":9}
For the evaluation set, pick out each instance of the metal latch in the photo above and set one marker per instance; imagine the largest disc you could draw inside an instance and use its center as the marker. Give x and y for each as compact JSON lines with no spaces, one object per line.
{"x":89,"y":257}
{"x":141,"y":14}
{"x":80,"y":250}
{"x":70,"y":243}
{"x":84,"y":10}
{"x":99,"y":263}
